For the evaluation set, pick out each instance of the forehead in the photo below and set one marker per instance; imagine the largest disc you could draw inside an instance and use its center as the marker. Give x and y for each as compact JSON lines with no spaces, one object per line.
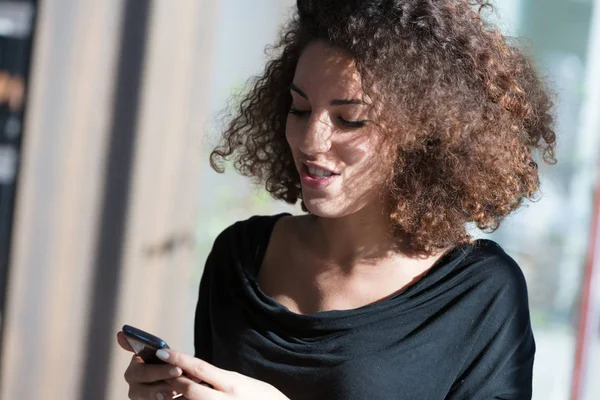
{"x":323,"y":70}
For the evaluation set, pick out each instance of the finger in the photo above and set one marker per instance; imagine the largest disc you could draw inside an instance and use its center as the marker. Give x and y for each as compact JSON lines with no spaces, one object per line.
{"x":192,"y":390}
{"x":135,"y":359}
{"x":219,"y":378}
{"x":139,"y":372}
{"x":123,"y":342}
{"x":160,"y":390}
{"x":168,"y":394}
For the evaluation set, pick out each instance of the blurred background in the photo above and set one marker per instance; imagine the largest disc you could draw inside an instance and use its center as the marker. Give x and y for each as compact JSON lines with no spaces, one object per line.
{"x":108,"y":207}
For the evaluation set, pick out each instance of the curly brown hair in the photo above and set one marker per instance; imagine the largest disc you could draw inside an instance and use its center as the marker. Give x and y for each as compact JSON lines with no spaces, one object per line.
{"x":464,"y":109}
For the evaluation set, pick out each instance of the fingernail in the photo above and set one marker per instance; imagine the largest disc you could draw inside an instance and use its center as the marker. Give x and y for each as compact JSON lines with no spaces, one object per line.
{"x":159,"y":396}
{"x":175,"y":371}
{"x":162,"y":354}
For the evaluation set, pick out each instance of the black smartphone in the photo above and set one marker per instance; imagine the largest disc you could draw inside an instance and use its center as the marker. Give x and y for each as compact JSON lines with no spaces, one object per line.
{"x":144,"y":344}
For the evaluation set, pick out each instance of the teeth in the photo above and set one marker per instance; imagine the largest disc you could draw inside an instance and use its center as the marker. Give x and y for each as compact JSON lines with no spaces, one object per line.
{"x":318,"y":172}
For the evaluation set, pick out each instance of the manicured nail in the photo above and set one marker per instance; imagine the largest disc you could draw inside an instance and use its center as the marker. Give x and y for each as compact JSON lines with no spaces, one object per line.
{"x":159,"y":396}
{"x":175,"y":371}
{"x":162,"y":354}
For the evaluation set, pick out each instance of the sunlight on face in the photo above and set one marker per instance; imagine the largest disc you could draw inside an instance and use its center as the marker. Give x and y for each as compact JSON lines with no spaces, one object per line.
{"x":335,"y":142}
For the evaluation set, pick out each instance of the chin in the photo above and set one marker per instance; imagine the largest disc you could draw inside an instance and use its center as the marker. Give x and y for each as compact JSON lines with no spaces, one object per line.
{"x":325,"y":208}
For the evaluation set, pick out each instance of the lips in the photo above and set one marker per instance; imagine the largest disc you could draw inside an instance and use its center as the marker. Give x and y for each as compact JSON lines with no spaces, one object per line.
{"x":316,"y":177}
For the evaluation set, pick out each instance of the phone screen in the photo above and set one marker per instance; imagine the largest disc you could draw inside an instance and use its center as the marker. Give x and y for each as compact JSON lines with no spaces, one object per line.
{"x":144,"y":344}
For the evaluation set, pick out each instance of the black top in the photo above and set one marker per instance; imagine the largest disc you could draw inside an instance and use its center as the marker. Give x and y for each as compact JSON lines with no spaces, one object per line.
{"x":461,"y":332}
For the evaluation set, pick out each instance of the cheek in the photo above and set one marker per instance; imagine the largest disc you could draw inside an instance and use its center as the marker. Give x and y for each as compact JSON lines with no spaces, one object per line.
{"x":357,"y":150}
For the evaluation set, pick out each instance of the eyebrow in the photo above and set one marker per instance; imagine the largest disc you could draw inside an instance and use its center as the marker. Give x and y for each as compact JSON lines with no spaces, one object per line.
{"x":298,"y":90}
{"x":336,"y":102}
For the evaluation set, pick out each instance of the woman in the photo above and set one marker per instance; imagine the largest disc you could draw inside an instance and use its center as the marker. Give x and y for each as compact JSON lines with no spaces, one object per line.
{"x":396,"y":123}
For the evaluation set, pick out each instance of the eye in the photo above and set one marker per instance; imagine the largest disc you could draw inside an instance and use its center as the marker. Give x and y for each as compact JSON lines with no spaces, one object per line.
{"x":352,"y":124}
{"x":297,"y":112}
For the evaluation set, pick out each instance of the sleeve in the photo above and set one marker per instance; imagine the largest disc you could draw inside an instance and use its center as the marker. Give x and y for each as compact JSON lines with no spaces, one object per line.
{"x":202,"y":320}
{"x":500,"y":363}
{"x":225,"y":249}
{"x":203,"y":344}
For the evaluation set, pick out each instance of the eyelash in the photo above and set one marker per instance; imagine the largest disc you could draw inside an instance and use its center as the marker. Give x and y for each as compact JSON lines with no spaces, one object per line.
{"x":299,"y":113}
{"x":348,"y":124}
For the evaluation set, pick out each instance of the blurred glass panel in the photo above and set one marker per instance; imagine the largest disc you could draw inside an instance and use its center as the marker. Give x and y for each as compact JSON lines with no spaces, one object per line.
{"x":243,"y":32}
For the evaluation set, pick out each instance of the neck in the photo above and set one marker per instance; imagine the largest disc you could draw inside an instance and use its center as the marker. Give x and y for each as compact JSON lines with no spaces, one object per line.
{"x":364,"y":237}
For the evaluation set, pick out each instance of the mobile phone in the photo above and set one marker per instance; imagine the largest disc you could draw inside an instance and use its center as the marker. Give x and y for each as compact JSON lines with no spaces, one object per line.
{"x":144,"y":344}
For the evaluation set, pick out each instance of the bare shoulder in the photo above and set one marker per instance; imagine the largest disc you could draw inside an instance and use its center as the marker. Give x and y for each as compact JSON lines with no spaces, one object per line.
{"x":285,"y":243}
{"x":287,"y":233}
{"x":276,"y":273}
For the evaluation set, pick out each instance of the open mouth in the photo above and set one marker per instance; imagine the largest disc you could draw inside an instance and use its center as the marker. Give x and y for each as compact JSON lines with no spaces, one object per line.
{"x":316,"y":178}
{"x":317,"y":173}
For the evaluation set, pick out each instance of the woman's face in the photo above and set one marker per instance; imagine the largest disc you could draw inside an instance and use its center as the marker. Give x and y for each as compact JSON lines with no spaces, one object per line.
{"x":335,"y":143}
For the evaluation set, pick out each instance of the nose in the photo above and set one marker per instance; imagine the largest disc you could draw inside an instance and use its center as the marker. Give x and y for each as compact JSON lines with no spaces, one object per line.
{"x":317,"y":138}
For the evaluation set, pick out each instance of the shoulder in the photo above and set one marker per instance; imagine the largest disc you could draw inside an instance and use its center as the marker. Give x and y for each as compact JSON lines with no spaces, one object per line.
{"x":481,"y":278}
{"x":490,"y":286}
{"x":254,"y":227}
{"x":245,"y":240}
{"x":494,"y":269}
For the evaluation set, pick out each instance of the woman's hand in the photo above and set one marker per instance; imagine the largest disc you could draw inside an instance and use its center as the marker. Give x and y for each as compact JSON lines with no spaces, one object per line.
{"x":148,"y":381}
{"x":226,"y":385}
